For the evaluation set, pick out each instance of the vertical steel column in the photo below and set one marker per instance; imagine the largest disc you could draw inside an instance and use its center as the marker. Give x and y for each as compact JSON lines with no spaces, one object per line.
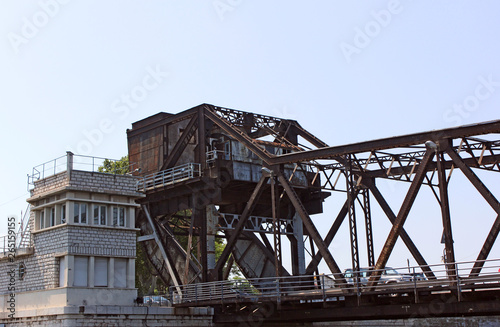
{"x":201,"y":219}
{"x":202,"y":138}
{"x":445,"y":212}
{"x":368,"y":227}
{"x":298,"y":234}
{"x":276,"y":229}
{"x":212,"y":220}
{"x":188,"y":250}
{"x":350,"y":187}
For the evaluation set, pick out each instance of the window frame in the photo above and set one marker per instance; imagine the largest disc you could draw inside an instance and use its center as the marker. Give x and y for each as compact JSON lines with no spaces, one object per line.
{"x":52,"y":218}
{"x":101,"y":213}
{"x":80,"y":205}
{"x":119,"y":216}
{"x":42,"y":219}
{"x":63,"y":213}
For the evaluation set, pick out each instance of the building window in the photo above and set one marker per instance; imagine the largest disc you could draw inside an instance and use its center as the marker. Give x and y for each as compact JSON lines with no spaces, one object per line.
{"x":120,"y":280}
{"x":119,"y":216}
{"x":42,"y":219}
{"x":101,"y":272}
{"x":81,"y":271}
{"x":63,"y":214}
{"x":52,"y":216}
{"x":80,"y":213}
{"x":99,"y":215}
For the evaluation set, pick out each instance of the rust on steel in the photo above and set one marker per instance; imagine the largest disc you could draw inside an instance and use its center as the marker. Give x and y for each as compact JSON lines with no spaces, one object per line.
{"x":227,"y":158}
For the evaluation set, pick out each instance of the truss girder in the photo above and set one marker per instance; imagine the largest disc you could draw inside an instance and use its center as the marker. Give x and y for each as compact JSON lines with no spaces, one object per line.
{"x":427,"y":158}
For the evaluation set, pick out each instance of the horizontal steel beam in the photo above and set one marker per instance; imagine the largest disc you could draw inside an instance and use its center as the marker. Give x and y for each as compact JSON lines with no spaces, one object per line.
{"x":388,"y":143}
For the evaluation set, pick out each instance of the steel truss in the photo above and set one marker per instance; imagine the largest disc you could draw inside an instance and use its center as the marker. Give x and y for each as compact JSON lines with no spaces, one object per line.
{"x":429,"y":159}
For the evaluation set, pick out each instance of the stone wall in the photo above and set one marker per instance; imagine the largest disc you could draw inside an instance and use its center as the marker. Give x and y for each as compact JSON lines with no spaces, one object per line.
{"x":114,"y":316}
{"x":86,"y":181}
{"x":50,"y":184}
{"x":93,"y":240}
{"x":103,"y":183}
{"x":42,"y":268}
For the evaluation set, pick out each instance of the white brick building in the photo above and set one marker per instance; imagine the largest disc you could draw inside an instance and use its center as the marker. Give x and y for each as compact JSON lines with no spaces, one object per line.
{"x":81,"y":256}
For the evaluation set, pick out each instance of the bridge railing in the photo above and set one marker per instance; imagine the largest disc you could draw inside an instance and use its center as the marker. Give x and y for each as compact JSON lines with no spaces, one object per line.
{"x":169,"y":176}
{"x":457,"y":277}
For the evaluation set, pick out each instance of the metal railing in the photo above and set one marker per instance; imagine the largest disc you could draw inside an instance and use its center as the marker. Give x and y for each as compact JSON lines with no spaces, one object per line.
{"x":75,"y":162}
{"x":325,"y":287}
{"x":169,"y":176}
{"x":22,"y":240}
{"x":47,"y":169}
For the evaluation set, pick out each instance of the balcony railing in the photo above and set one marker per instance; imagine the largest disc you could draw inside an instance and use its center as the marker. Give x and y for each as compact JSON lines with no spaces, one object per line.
{"x":169,"y":177}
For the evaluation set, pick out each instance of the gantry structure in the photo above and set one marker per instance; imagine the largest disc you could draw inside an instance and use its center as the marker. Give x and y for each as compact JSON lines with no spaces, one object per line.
{"x":211,"y":172}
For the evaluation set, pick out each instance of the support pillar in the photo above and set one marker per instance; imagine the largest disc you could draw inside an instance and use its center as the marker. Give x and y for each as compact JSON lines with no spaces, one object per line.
{"x":212,"y":220}
{"x":351,"y":190}
{"x":298,"y":233}
{"x":445,"y":213}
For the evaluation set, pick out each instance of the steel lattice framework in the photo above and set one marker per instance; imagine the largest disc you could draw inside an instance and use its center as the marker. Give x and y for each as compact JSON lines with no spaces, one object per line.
{"x":294,"y":179}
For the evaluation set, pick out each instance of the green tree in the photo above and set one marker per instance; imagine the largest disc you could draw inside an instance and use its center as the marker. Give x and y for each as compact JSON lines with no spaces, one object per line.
{"x":120,"y":167}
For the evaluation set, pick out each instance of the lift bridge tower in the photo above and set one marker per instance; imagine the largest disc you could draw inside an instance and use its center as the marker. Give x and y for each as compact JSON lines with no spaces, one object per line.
{"x":212,"y":172}
{"x":204,"y":178}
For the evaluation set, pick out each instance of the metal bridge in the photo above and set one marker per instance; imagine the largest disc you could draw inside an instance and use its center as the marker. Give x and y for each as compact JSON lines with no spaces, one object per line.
{"x":254,"y":180}
{"x":293,"y":298}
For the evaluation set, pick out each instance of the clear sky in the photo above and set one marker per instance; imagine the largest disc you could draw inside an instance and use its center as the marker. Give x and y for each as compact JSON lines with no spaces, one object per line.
{"x":75,"y":74}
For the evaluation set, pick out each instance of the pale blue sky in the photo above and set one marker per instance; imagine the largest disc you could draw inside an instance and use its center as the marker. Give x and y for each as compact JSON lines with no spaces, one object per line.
{"x":347,"y":71}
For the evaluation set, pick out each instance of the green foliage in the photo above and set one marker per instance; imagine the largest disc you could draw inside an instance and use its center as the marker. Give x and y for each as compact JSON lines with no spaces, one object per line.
{"x":120,"y":167}
{"x":142,"y":272}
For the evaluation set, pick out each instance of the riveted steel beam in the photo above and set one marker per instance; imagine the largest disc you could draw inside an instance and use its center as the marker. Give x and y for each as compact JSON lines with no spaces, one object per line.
{"x":311,"y":228}
{"x":401,"y":218}
{"x":239,"y":227}
{"x":493,"y":202}
{"x":404,"y":235}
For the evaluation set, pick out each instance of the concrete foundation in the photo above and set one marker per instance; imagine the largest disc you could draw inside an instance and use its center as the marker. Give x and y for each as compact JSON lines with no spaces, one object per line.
{"x":485,"y":321}
{"x":110,"y":316}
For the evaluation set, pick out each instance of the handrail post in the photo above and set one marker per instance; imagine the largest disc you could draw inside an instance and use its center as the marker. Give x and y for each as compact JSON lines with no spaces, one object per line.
{"x":323,"y":288}
{"x":221,"y":291}
{"x":278,"y":293}
{"x":69,"y":163}
{"x":459,"y":290}
{"x":415,"y":285}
